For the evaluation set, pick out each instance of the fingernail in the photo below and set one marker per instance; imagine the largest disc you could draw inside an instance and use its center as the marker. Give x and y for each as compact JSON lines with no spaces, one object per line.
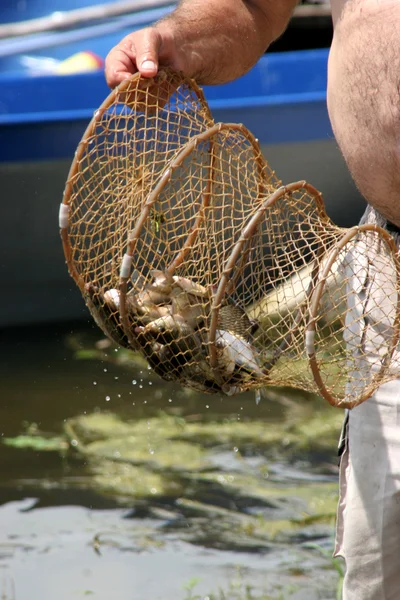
{"x":148,"y":65}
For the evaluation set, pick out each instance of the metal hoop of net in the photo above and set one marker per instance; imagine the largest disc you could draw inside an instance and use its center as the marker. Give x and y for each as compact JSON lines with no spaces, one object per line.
{"x":187,"y":248}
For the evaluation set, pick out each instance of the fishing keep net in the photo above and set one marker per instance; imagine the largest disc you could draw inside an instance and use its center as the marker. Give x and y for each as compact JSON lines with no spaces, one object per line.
{"x":187,"y":248}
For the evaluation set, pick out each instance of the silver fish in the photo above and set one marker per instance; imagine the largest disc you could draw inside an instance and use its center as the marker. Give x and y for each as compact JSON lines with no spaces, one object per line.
{"x":237,"y":354}
{"x":136,"y":307}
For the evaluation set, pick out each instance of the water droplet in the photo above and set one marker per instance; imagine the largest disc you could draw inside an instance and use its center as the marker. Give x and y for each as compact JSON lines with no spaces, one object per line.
{"x":119,"y":395}
{"x":94,"y":382}
{"x":153,"y":490}
{"x":150,"y":383}
{"x":117,"y":454}
{"x":116,"y":378}
{"x":108,"y":398}
{"x":235,"y":449}
{"x":134,"y":382}
{"x":105,"y":370}
{"x":74,"y":443}
{"x":151,"y":451}
{"x":140,"y":387}
{"x":169,"y":399}
{"x":207,"y":406}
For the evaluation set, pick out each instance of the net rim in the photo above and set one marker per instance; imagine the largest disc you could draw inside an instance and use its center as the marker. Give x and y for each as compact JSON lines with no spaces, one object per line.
{"x":112,"y":98}
{"x":313,"y":317}
{"x":246,"y":235}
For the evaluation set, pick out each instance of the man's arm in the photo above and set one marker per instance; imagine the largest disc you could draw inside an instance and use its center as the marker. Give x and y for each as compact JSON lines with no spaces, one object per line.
{"x":212,"y":40}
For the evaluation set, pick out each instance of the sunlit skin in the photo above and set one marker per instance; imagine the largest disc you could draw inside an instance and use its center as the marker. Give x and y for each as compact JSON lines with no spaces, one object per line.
{"x":218,"y":40}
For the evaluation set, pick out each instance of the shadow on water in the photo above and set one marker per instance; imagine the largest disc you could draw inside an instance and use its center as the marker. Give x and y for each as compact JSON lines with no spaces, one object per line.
{"x":114,"y":484}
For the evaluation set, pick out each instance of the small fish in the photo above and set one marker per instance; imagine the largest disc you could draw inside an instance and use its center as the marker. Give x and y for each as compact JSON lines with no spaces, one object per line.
{"x":149,"y":312}
{"x":194,"y":310}
{"x":162,"y":282}
{"x":111,"y":298}
{"x":169,"y":327}
{"x":191,"y":287}
{"x":172,"y":358}
{"x":152,"y":295}
{"x":237,"y":354}
{"x":104,"y":314}
{"x":165,"y":281}
{"x":157,"y":355}
{"x":138,"y":309}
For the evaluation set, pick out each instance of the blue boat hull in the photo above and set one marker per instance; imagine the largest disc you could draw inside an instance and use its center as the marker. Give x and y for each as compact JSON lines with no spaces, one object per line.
{"x":282,"y":99}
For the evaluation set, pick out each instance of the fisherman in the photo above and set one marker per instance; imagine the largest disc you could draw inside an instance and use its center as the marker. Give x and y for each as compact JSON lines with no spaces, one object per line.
{"x":216,"y":41}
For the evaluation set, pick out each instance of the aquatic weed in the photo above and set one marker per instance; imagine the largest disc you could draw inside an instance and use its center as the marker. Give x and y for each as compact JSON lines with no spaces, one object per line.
{"x":335,"y":563}
{"x":189,"y":587}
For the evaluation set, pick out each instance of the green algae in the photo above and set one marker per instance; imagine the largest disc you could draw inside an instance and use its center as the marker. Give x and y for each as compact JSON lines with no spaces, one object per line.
{"x":37,"y":442}
{"x":215,"y":477}
{"x":127,"y":481}
{"x":176,"y":441}
{"x":170,"y":457}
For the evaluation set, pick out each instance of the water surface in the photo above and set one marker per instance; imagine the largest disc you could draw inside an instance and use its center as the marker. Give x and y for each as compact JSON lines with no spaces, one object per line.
{"x":247,"y":501}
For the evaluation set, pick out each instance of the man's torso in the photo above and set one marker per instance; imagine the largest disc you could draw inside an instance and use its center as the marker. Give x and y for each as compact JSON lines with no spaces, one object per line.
{"x":364,"y":97}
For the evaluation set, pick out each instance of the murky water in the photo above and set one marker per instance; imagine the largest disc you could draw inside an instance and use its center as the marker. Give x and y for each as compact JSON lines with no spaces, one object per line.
{"x":152,"y":492}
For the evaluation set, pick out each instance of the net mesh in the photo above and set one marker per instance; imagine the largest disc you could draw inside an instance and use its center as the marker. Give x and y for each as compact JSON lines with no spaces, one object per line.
{"x":187,"y":247}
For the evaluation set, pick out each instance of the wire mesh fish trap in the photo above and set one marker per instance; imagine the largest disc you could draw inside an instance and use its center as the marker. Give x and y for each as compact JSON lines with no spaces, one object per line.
{"x":187,"y":248}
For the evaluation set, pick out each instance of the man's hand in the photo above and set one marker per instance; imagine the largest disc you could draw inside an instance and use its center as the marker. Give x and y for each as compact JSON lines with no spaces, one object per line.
{"x":214,"y":41}
{"x":142,"y":51}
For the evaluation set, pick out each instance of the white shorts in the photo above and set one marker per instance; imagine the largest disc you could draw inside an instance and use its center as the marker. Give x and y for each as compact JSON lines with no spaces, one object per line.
{"x":368,"y":520}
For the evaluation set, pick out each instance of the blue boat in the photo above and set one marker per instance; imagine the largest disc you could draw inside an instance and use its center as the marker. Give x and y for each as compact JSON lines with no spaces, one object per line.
{"x":282,"y":100}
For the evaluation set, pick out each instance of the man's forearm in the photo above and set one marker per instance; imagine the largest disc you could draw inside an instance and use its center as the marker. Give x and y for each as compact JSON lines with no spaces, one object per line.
{"x":219,"y":40}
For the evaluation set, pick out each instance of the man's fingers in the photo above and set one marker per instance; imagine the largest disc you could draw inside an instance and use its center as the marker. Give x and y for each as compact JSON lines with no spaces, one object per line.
{"x":147,"y":52}
{"x":119,"y":66}
{"x":137,"y":52}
